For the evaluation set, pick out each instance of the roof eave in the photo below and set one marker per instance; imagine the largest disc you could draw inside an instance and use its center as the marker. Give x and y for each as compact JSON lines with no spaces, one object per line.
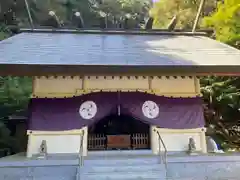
{"x":79,"y":70}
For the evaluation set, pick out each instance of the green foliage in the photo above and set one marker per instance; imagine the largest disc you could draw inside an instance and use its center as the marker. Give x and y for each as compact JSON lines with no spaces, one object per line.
{"x":14,"y":99}
{"x":186,"y":10}
{"x":222,"y":95}
{"x":3,"y":35}
{"x":116,"y":11}
{"x":6,"y":141}
{"x":4,"y":32}
{"x":14,"y":95}
{"x":226,"y":22}
{"x":133,"y":7}
{"x":64,"y":9}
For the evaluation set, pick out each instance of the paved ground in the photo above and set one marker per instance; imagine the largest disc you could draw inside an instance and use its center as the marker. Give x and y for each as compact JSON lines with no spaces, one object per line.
{"x":180,"y":167}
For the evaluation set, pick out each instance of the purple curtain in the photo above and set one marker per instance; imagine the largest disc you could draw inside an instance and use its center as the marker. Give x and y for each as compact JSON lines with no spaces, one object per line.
{"x":174,"y":113}
{"x":63,"y":113}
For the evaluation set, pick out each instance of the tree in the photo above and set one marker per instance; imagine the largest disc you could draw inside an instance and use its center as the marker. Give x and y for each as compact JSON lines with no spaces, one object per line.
{"x":14,"y":95}
{"x":118,"y":11}
{"x":14,"y":98}
{"x":222,"y":110}
{"x":226,"y":22}
{"x":91,"y":11}
{"x":185,"y":10}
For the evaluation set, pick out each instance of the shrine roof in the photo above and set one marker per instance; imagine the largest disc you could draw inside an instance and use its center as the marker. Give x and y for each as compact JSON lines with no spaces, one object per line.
{"x":46,"y":52}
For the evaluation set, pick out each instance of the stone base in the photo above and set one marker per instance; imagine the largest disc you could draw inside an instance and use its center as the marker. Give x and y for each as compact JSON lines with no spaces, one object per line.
{"x":182,"y":167}
{"x":217,"y":151}
{"x":193,"y":153}
{"x":42,"y":156}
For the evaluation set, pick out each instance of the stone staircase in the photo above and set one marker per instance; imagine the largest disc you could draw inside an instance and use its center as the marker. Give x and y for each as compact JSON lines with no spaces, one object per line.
{"x":123,"y":165}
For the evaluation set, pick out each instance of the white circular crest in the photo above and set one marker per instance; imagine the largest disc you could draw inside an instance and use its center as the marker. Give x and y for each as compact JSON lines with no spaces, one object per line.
{"x":150,"y":109}
{"x":88,"y":110}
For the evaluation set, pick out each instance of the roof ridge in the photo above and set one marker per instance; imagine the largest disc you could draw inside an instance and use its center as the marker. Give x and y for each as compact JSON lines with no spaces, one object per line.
{"x":116,"y":31}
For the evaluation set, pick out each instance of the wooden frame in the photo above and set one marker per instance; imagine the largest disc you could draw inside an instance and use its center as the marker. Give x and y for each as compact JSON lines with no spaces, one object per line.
{"x":102,"y":142}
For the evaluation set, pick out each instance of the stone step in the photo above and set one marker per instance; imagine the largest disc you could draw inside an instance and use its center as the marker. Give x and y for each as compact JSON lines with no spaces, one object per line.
{"x":123,"y":165}
{"x":56,"y":170}
{"x":120,"y":152}
{"x":37,"y":172}
{"x":133,"y":178}
{"x":126,"y":168}
{"x":55,"y":177}
{"x":120,"y":156}
{"x":47,"y":178}
{"x":124,"y":176}
{"x":113,"y":162}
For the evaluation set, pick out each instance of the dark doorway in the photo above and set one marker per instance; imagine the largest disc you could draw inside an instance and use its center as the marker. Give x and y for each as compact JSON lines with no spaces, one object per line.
{"x":118,"y":132}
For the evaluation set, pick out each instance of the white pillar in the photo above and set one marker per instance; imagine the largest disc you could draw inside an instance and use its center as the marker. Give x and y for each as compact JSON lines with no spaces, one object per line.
{"x":29,"y":146}
{"x":85,"y":141}
{"x":203,"y":141}
{"x":154,"y":140}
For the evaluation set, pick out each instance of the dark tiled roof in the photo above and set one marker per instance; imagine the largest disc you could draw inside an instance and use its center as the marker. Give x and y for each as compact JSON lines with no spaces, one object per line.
{"x":116,"y":49}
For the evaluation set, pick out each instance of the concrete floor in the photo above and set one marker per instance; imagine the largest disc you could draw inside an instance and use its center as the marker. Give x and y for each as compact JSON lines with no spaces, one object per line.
{"x":180,"y":166}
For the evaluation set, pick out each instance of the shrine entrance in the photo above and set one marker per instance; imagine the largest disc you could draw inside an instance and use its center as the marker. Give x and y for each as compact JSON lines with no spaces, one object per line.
{"x":118,"y":132}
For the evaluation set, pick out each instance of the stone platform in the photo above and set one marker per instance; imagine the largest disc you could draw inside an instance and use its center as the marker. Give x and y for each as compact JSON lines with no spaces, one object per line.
{"x":122,"y":165}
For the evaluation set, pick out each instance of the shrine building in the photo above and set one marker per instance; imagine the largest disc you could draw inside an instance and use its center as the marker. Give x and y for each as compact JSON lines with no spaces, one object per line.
{"x":117,"y":89}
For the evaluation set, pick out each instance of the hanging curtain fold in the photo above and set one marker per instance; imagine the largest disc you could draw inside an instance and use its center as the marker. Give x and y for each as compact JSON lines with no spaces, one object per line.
{"x":63,"y":114}
{"x":174,"y":113}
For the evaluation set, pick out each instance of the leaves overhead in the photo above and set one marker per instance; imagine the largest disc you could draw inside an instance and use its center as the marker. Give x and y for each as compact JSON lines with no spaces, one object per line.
{"x":164,"y":10}
{"x":65,"y":10}
{"x":226,"y":22}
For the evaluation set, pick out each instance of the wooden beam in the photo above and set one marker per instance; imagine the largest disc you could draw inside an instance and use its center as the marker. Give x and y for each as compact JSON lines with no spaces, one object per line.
{"x":198,"y":15}
{"x":116,"y":31}
{"x":29,"y":14}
